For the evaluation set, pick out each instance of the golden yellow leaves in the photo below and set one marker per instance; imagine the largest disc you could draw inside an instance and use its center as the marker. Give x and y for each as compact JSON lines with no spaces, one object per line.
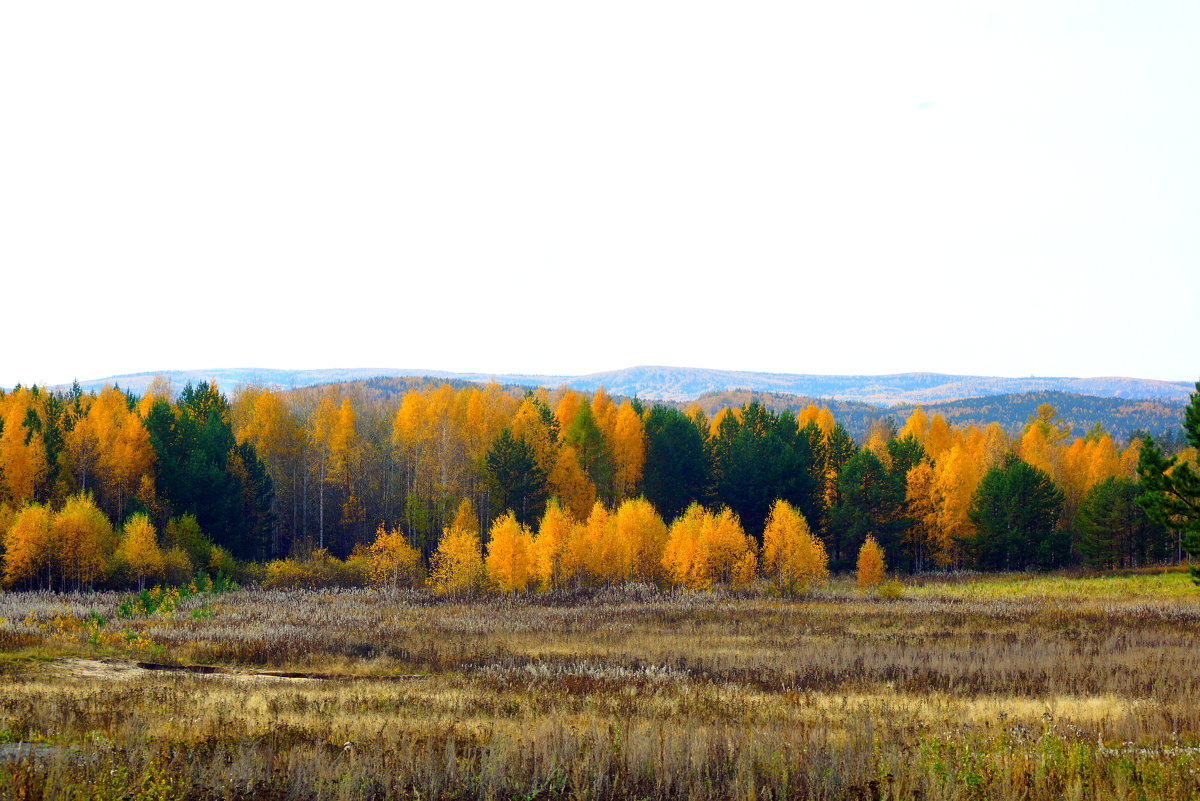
{"x":870,"y":569}
{"x":704,"y":548}
{"x":792,"y":556}
{"x":393,"y":562}
{"x":139,"y":552}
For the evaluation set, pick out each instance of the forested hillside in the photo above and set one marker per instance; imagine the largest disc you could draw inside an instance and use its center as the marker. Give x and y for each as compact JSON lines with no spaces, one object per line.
{"x":1121,"y":418}
{"x":85,"y":476}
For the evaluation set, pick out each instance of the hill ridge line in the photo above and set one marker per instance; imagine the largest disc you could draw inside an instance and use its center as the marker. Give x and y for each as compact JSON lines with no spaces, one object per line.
{"x":661,"y":382}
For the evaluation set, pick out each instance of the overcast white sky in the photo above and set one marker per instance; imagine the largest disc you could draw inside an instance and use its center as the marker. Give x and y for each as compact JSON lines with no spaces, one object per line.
{"x":1007,"y":188}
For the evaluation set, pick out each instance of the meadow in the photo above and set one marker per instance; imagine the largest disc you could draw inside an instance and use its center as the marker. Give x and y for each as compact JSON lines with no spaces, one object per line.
{"x":973,"y":687}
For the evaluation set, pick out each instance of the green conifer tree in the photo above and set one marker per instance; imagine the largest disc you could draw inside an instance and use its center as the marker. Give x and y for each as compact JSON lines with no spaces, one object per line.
{"x":1171,"y":487}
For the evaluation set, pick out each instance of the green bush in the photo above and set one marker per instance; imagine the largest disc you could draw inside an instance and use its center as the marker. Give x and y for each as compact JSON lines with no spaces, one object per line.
{"x":890,"y":590}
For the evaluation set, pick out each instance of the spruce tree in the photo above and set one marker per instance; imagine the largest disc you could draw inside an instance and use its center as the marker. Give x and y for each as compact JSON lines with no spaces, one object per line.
{"x":676,"y":472}
{"x":870,"y":502}
{"x":514,"y":480}
{"x":1114,"y":531}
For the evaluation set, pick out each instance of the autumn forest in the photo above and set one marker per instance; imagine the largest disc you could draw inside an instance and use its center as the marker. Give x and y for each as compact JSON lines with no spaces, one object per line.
{"x":502,"y":487}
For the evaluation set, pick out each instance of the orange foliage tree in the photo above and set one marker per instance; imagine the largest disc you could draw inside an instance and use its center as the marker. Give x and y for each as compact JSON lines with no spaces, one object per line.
{"x":643,"y":536}
{"x":110,"y":452}
{"x":28,"y":550}
{"x":704,"y":549}
{"x":870,"y":569}
{"x":509,"y":560}
{"x":456,"y":567}
{"x":23,"y":461}
{"x":627,"y":443}
{"x":792,"y":556}
{"x":82,"y":539}
{"x":551,"y":568}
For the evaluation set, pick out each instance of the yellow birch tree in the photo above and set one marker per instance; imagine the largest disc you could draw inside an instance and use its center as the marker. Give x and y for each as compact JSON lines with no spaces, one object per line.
{"x":83,"y":541}
{"x":791,"y":555}
{"x":393,"y":563}
{"x":509,"y":562}
{"x":139,"y":551}
{"x":28,"y":550}
{"x":869,"y":570}
{"x":643,"y":534}
{"x":456,"y":567}
{"x":550,"y":545}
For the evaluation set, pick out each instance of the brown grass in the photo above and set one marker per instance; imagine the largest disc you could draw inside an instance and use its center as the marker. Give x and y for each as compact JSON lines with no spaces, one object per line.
{"x":621,"y":694}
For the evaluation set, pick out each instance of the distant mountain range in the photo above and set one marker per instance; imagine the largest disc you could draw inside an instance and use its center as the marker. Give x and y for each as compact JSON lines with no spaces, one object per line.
{"x":687,"y":383}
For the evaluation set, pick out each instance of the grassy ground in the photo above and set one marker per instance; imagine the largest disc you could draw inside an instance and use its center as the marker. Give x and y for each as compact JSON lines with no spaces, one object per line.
{"x":987,"y":688}
{"x":1130,"y":587}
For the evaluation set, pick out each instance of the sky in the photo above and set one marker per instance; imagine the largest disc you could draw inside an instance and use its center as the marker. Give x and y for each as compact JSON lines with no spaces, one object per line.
{"x":990,"y":188}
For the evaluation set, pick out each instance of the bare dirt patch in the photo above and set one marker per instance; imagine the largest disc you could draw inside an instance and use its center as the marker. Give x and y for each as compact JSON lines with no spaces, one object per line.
{"x":102,"y":669}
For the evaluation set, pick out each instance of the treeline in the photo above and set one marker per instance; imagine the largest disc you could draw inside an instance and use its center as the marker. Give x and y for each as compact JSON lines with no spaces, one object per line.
{"x":279,"y":473}
{"x":80,"y":473}
{"x":631,"y":543}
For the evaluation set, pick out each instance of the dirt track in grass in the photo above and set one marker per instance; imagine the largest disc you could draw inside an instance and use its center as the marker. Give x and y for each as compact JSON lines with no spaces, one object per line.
{"x":121,"y":670}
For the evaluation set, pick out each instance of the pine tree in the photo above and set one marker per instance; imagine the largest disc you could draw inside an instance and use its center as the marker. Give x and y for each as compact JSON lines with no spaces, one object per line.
{"x":677,"y":467}
{"x":1114,"y":531}
{"x":870,"y":502}
{"x":201,"y":471}
{"x":1171,"y":486}
{"x":763,"y":457}
{"x":1015,"y":511}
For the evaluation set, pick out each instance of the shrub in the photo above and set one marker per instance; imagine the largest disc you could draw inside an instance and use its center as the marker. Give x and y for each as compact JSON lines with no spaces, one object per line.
{"x":177,"y":566}
{"x":221,"y":562}
{"x":319,"y":570}
{"x":891,"y":590}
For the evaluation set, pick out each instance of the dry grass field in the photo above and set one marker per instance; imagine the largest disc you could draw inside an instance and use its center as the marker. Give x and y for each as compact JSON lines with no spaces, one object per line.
{"x":986,"y":688}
